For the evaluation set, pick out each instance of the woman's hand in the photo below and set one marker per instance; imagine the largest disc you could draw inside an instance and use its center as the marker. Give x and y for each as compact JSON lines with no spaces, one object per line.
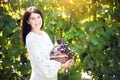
{"x":67,"y":64}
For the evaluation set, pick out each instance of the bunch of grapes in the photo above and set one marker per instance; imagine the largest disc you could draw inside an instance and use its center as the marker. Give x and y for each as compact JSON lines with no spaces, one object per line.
{"x":63,"y":48}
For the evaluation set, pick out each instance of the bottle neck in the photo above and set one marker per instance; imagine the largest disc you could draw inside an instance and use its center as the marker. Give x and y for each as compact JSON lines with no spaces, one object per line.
{"x":55,"y":41}
{"x":62,"y":41}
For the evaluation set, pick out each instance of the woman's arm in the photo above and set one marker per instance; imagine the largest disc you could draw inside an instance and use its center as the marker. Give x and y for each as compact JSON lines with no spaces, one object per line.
{"x":42,"y":65}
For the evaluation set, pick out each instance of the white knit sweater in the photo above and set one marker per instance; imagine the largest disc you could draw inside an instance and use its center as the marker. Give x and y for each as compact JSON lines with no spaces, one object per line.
{"x":39,"y":47}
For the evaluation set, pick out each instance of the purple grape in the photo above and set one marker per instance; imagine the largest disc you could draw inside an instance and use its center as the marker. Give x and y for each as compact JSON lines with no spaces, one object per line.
{"x":63,"y":48}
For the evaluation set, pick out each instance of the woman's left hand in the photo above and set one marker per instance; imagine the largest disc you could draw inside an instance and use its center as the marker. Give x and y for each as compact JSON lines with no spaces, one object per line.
{"x":67,"y":64}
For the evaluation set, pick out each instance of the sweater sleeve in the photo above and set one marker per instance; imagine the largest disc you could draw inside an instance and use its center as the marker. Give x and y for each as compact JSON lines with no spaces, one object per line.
{"x":42,"y":66}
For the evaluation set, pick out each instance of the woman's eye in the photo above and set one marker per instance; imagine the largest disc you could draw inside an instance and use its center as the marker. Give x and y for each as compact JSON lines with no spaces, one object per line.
{"x":38,"y":16}
{"x":33,"y":18}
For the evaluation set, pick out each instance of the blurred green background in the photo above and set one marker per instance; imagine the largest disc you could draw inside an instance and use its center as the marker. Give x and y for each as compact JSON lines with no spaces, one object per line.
{"x":90,"y":27}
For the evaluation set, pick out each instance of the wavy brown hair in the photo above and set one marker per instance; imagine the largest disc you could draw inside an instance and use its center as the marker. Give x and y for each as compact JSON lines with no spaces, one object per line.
{"x":26,"y":28}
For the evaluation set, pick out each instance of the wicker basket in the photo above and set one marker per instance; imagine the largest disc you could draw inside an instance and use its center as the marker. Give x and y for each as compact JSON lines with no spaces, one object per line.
{"x":65,"y":53}
{"x":60,"y":58}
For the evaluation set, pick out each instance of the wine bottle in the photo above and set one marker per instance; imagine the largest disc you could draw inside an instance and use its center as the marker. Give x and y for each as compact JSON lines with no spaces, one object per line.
{"x":55,"y":41}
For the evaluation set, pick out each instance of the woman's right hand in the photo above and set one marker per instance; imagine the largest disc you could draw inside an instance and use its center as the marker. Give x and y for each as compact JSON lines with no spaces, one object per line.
{"x":67,"y":64}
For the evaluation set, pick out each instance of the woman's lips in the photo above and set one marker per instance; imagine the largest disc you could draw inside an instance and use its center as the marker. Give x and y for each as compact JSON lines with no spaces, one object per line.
{"x":37,"y":24}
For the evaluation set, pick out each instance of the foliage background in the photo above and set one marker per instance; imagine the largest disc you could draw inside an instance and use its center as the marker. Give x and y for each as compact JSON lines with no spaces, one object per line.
{"x":90,"y":27}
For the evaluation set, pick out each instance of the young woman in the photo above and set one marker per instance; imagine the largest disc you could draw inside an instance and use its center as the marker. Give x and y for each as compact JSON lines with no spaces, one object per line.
{"x":39,"y":47}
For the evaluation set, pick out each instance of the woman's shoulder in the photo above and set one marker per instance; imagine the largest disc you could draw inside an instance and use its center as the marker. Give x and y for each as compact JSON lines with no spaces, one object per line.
{"x":44,"y":33}
{"x":30,"y":36}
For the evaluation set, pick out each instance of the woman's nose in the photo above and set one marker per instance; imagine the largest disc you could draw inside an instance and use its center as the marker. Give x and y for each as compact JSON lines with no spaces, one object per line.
{"x":37,"y":19}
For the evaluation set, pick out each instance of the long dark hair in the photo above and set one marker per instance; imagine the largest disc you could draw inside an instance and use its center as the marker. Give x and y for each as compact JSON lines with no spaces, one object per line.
{"x":26,"y":28}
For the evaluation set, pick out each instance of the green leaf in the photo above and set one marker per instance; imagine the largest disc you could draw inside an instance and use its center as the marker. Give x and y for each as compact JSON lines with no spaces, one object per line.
{"x":94,"y":40}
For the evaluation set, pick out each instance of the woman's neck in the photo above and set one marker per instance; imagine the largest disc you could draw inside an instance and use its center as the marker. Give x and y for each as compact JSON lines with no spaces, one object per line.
{"x":38,"y":31}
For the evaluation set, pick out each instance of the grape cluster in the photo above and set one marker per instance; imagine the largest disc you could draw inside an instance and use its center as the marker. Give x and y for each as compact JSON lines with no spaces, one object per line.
{"x":63,"y":48}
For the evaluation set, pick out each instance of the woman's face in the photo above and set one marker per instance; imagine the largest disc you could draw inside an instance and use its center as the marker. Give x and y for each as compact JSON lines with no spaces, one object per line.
{"x":35,"y":20}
